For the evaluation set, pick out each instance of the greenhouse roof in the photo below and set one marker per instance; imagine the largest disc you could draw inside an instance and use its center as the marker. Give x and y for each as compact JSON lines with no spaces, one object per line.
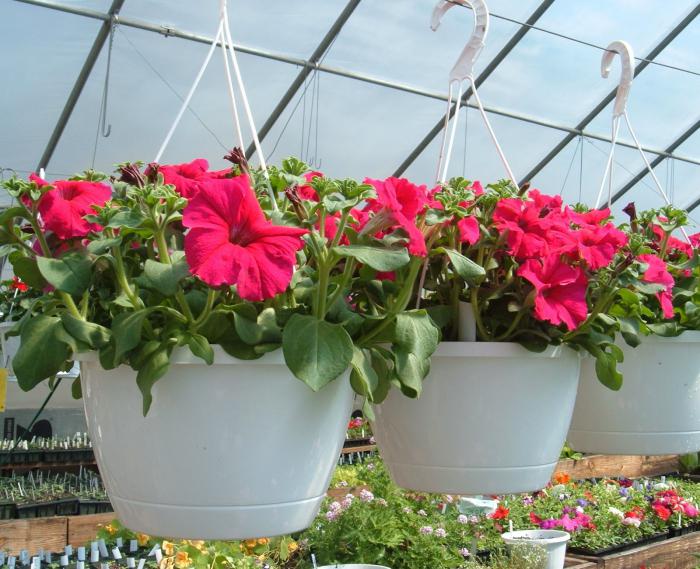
{"x":357,"y":88}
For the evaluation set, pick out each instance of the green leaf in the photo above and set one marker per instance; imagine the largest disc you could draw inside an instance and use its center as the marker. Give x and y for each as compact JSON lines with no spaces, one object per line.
{"x":379,"y":258}
{"x":28,"y":271}
{"x":43,"y":350}
{"x":89,"y":333}
{"x":201,"y":347}
{"x":464,"y":266}
{"x":76,"y":389}
{"x":606,"y":369}
{"x":152,"y":370}
{"x":245,"y":318}
{"x":232,"y":344}
{"x":363,"y":378}
{"x":164,"y":277}
{"x":415,"y":339}
{"x":106,"y":355}
{"x":71,"y":273}
{"x":629,"y":328}
{"x":101,"y":246}
{"x":127,"y":218}
{"x":126,"y":330}
{"x":665,"y":329}
{"x":316,"y":351}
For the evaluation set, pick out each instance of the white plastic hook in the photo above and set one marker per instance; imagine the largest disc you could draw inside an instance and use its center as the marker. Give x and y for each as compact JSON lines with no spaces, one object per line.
{"x":463,"y":70}
{"x":624,"y":50}
{"x":464,"y":66}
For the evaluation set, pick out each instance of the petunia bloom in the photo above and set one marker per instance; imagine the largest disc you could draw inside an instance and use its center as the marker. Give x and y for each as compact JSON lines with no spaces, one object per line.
{"x":560,"y":291}
{"x":230,"y":242}
{"x":63,"y":208}
{"x":657,"y":273}
{"x":189,"y":177}
{"x":468,"y":230}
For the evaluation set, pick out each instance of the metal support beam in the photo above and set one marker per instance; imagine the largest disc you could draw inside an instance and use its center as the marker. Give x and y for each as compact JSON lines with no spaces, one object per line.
{"x":74,"y":95}
{"x":402,"y":87}
{"x":490,"y":68}
{"x":611,"y":95}
{"x":315,"y":58}
{"x":656,"y":161}
{"x":693,"y":205}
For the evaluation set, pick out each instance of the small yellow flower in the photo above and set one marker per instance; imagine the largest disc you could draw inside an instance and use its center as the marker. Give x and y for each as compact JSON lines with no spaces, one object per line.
{"x":250,"y":543}
{"x":166,"y":563}
{"x":168,"y":548}
{"x":292,"y":546}
{"x":182,"y":560}
{"x":263,"y":541}
{"x":142,"y":539}
{"x":110,"y":529}
{"x":198,"y":544}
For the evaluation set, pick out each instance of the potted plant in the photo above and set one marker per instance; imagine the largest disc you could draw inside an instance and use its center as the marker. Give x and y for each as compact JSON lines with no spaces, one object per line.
{"x":15,"y":298}
{"x":512,"y":276}
{"x":175,"y":288}
{"x":657,"y":311}
{"x":553,"y":541}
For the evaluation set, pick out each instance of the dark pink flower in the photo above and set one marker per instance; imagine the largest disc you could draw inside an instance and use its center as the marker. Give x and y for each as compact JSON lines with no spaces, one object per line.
{"x":657,"y":273}
{"x":230,"y":242}
{"x":189,"y":177}
{"x":306,"y":192}
{"x":63,"y":208}
{"x":37,"y":180}
{"x":468,"y":230}
{"x":400,"y":202}
{"x":560,"y":291}
{"x":598,"y":245}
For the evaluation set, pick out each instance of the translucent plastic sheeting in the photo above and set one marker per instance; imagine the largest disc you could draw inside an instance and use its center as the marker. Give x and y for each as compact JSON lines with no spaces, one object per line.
{"x":363,"y":130}
{"x":142,"y":105}
{"x":548,"y":76}
{"x":42,"y":53}
{"x":522,"y":143}
{"x":579,"y":180}
{"x":393,"y":40}
{"x":294,"y":28}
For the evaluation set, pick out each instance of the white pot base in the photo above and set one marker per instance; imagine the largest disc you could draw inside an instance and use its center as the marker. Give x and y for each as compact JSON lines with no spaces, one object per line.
{"x":175,"y":521}
{"x":471,"y":481}
{"x":635,"y":443}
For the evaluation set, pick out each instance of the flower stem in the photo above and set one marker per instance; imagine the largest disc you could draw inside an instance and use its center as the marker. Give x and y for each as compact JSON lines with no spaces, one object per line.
{"x":474,"y":299}
{"x":347,"y":273}
{"x":212,"y":295}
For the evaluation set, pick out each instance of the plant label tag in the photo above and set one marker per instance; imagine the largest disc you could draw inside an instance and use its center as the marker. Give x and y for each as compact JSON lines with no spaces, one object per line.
{"x":69,"y":550}
{"x":80,"y":565}
{"x":159,"y":556}
{"x":151,"y":553}
{"x":81,"y":554}
{"x":133,"y":545}
{"x":120,"y":542}
{"x":103,"y":548}
{"x":2,"y":558}
{"x":104,"y":565}
{"x":11,"y":562}
{"x":130,"y":563}
{"x":94,"y":556}
{"x":116,"y":553}
{"x":142,"y":562}
{"x":64,"y":561}
{"x":47,"y":557}
{"x":24,"y":557}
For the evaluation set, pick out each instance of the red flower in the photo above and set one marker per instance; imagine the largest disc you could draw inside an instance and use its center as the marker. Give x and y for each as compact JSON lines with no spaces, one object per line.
{"x":597,"y":245}
{"x":468,"y":230}
{"x":657,"y":273}
{"x":673,"y":245}
{"x":306,"y":192}
{"x":64,"y":207}
{"x":662,"y":511}
{"x":37,"y":180}
{"x":17,"y":284}
{"x":230,"y":241}
{"x":400,"y":202}
{"x":593,"y":217}
{"x":187,"y":178}
{"x":501,"y":513}
{"x":535,"y":519}
{"x":561,"y":291}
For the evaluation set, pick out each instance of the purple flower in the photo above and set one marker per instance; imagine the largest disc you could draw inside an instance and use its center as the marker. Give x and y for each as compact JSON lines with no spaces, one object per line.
{"x":581,"y":502}
{"x":462,"y":519}
{"x":464,"y":552}
{"x":440,"y":532}
{"x":549,"y":524}
{"x":426,"y":530}
{"x":624,"y":492}
{"x":366,"y":495}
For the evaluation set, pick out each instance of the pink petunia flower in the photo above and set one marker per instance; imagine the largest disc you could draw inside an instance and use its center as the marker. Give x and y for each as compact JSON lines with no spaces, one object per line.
{"x":468,"y":230}
{"x":561,"y":291}
{"x":63,"y":208}
{"x":657,"y":273}
{"x":189,"y":177}
{"x":230,"y":242}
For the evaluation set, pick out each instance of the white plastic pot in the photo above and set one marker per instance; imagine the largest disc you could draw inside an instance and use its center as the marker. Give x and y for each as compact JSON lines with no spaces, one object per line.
{"x":492,"y":419}
{"x":235,"y":450}
{"x":9,"y":345}
{"x":554,"y":541}
{"x":657,"y":410}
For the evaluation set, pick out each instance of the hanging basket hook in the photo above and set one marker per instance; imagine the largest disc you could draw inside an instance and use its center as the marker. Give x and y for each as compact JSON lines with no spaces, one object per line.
{"x":464,"y":67}
{"x":624,"y":50}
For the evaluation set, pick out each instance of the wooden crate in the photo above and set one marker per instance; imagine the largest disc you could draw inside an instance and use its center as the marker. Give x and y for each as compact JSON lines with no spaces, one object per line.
{"x":601,"y":465}
{"x":82,"y":529}
{"x":574,"y":562}
{"x":33,"y":534}
{"x":675,"y":553}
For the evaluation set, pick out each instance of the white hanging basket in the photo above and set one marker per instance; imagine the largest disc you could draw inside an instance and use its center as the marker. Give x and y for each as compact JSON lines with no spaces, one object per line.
{"x":492,"y":419}
{"x":554,"y":541}
{"x":236,"y":450}
{"x":10,"y":345}
{"x":657,"y":410}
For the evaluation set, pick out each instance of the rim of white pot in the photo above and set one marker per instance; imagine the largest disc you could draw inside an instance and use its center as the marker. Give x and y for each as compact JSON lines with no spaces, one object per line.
{"x":497,"y":350}
{"x":184,"y":356}
{"x":536,"y":536}
{"x":687,"y":337}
